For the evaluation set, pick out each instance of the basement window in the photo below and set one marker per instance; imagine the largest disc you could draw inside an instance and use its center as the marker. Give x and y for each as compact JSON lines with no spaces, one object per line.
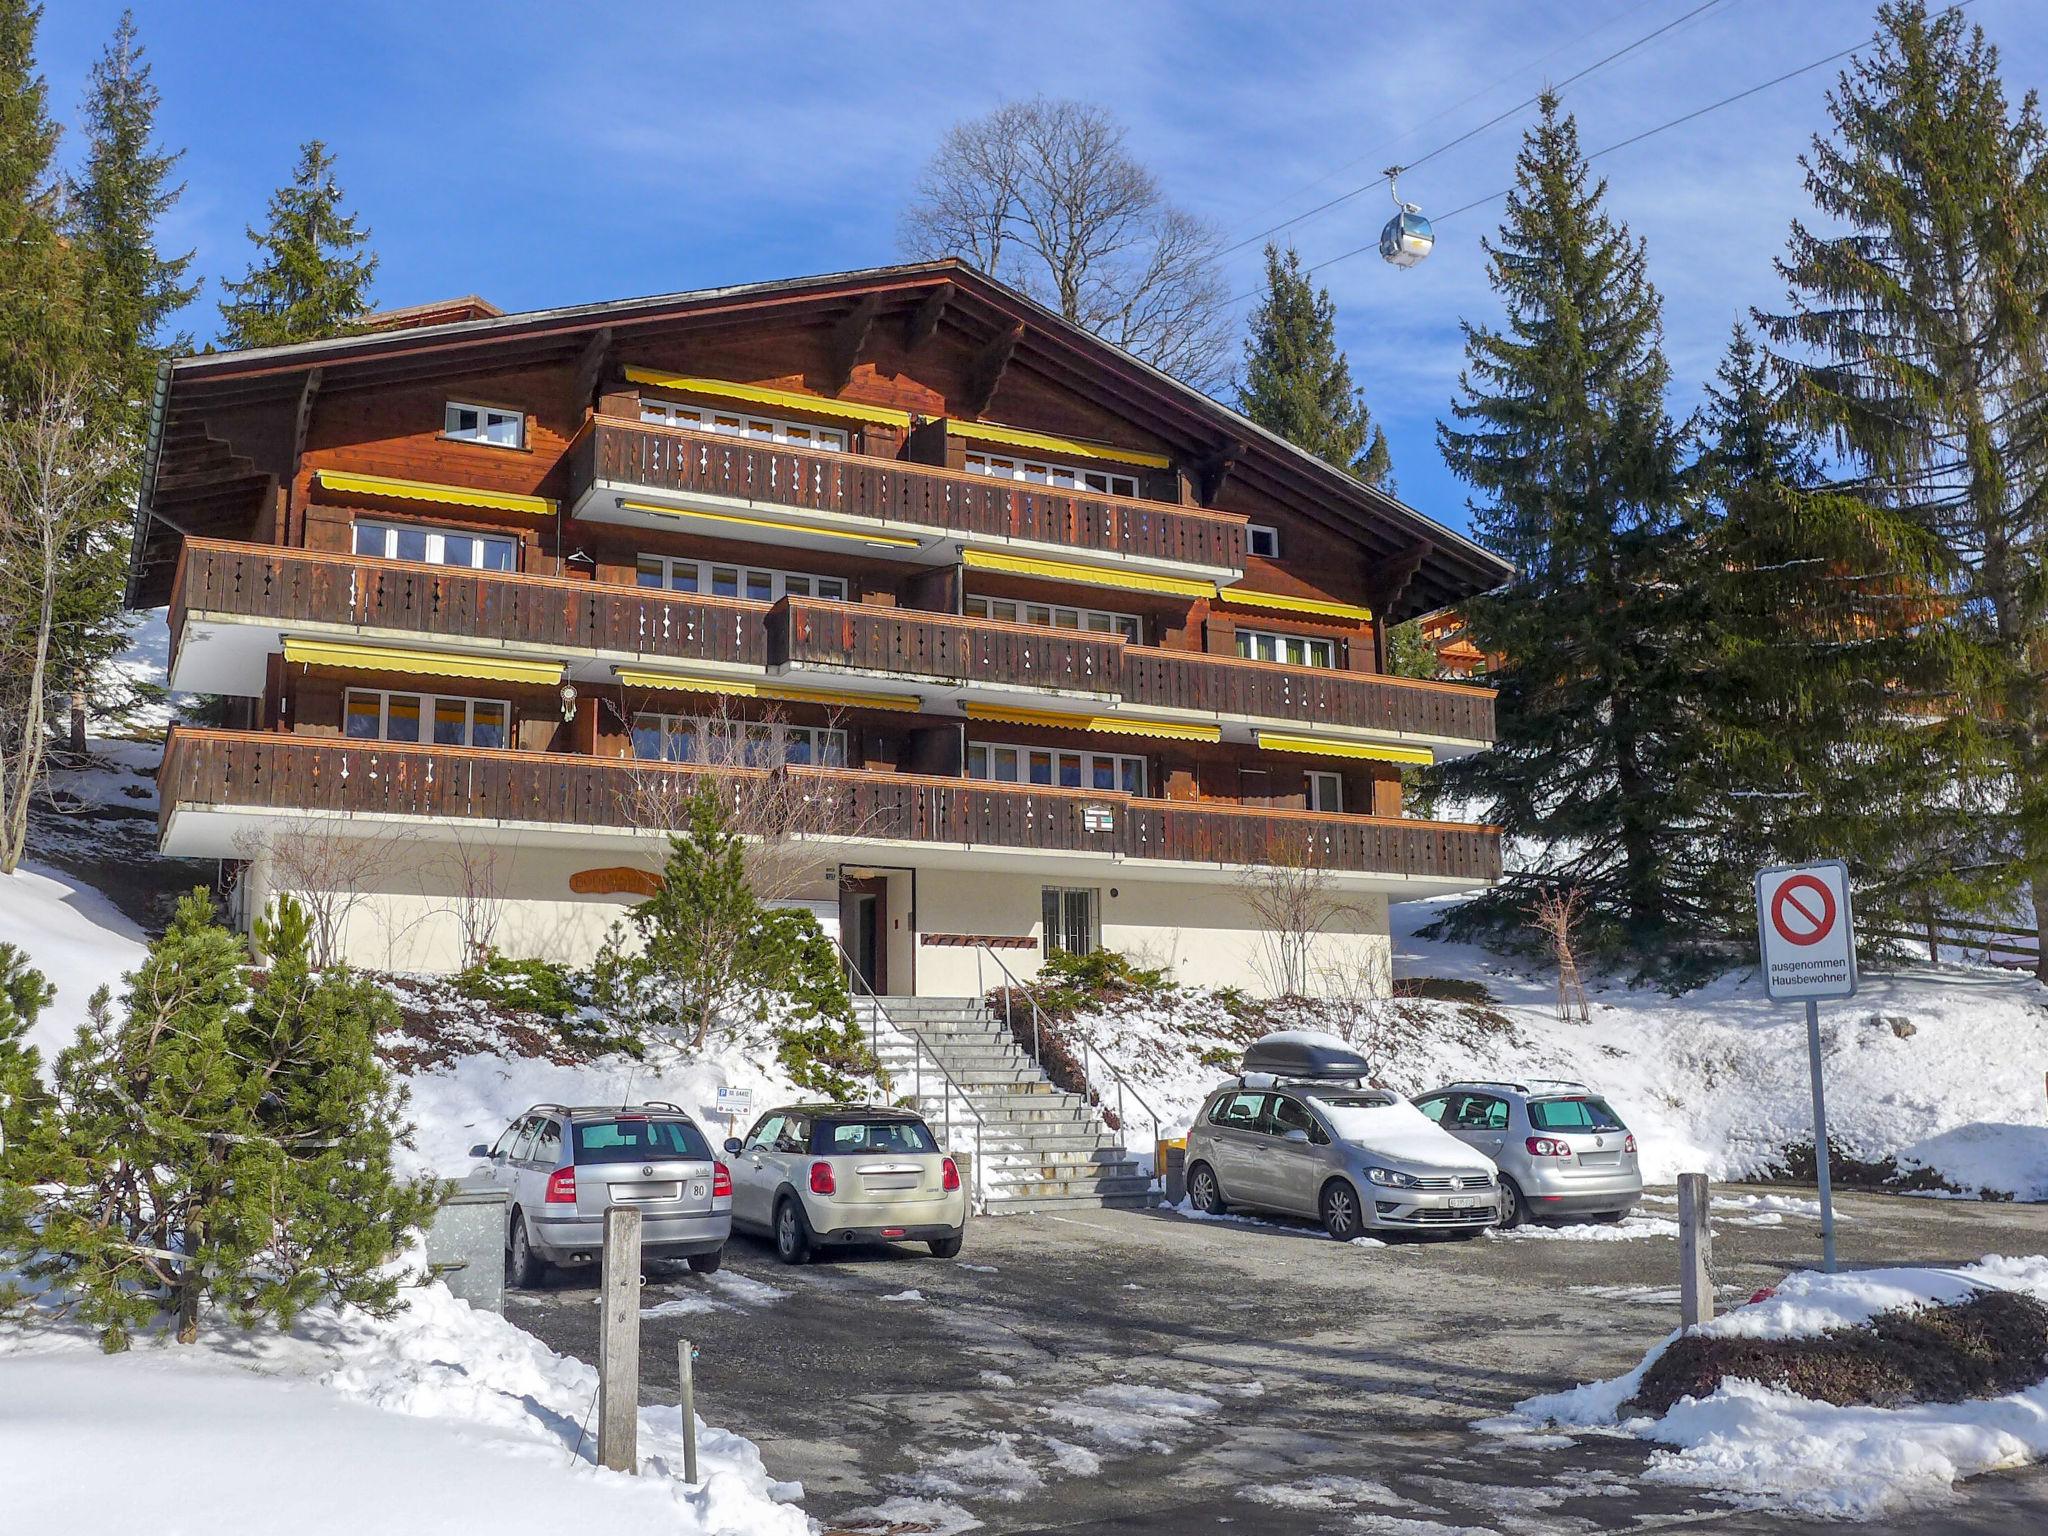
{"x":485,"y":424}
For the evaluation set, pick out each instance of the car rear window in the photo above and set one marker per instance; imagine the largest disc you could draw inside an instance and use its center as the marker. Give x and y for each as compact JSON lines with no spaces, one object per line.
{"x":855,"y":1138}
{"x":1587,"y":1114}
{"x":627,"y":1140}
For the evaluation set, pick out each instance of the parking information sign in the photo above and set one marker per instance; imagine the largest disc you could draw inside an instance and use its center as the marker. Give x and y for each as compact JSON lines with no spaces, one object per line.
{"x":1807,"y":932}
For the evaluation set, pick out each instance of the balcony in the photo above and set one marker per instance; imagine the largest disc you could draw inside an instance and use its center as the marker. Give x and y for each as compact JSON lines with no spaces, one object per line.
{"x":659,"y":476}
{"x":218,"y":788}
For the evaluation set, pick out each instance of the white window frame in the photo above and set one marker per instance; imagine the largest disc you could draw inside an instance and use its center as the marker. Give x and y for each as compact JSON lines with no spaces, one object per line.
{"x":437,"y":544}
{"x":429,"y":708}
{"x":727,"y":422}
{"x":1325,"y":791}
{"x":487,"y":417}
{"x":986,"y":759}
{"x":1274,"y":644}
{"x":1252,"y":534}
{"x":1064,"y":477}
{"x":1095,"y":621}
{"x":828,"y":744}
{"x":701,"y":572}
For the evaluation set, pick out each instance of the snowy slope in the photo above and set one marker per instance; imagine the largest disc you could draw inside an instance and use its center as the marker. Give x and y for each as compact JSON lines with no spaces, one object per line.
{"x":74,"y":936}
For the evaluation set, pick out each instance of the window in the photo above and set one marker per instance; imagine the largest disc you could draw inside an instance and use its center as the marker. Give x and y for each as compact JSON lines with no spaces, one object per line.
{"x":1572,"y":1115}
{"x":1239,"y":1111}
{"x":1325,"y":791}
{"x":434,"y":546}
{"x":630,"y":1140}
{"x":1098,"y":621}
{"x":373,"y":714}
{"x":1263,"y":540}
{"x":485,"y":424}
{"x":1433,"y":1108}
{"x":1069,"y":915}
{"x":547,"y":1145}
{"x":1476,"y":1112}
{"x":844,"y":1138}
{"x":1295,"y":650}
{"x":1061,"y":476}
{"x":796,"y":1135}
{"x":757,"y":744}
{"x":516,"y":1142}
{"x":765,"y":1134}
{"x":681,"y":574}
{"x":761,"y":429}
{"x":1292,"y":1115}
{"x":1004,"y":764}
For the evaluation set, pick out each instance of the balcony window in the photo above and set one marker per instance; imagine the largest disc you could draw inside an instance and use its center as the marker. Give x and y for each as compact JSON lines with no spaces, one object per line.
{"x":761,"y":429}
{"x":1263,"y":540}
{"x":735,"y":743}
{"x":432,"y":546}
{"x":1066,"y":477}
{"x":485,"y":424}
{"x":1325,"y":791}
{"x":1096,"y":621}
{"x":375,"y":714}
{"x":1108,"y":771}
{"x":674,"y":574}
{"x":1294,"y":650}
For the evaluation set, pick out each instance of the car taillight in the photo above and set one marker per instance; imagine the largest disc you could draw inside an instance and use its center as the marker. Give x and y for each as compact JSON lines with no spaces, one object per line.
{"x":721,"y":1182}
{"x":1630,"y":1144}
{"x":1543,"y":1146}
{"x":821,"y":1179}
{"x":951,"y":1172}
{"x":562,"y":1187}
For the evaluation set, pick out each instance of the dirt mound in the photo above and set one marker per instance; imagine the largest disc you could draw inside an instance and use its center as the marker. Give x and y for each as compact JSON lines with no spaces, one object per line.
{"x":1992,"y":1344}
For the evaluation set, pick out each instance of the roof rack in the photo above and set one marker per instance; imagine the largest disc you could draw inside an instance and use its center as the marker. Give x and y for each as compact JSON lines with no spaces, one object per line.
{"x":1527,"y":1086}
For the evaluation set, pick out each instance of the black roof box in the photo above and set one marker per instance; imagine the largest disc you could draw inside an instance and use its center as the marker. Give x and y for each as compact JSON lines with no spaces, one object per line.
{"x":1304,"y":1053}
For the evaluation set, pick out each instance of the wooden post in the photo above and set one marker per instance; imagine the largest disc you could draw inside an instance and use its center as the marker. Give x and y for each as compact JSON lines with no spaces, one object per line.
{"x":618,"y":1343}
{"x":1695,"y":1251}
{"x":687,"y":1374}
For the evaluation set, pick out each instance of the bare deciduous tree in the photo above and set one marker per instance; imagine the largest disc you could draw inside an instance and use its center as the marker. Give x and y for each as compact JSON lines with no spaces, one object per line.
{"x":330,"y":866}
{"x":1295,"y":900}
{"x":1556,"y":910}
{"x":54,"y":474}
{"x":476,"y":869}
{"x":1045,"y":195}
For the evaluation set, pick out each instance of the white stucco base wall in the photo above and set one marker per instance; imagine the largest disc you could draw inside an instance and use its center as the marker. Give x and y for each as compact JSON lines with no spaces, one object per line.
{"x":1203,"y":934}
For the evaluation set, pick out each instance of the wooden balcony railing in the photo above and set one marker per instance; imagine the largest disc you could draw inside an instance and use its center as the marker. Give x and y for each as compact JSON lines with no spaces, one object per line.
{"x":546,"y":612}
{"x":810,"y":632}
{"x":288,"y":774}
{"x":1265,"y":690}
{"x":678,"y":459}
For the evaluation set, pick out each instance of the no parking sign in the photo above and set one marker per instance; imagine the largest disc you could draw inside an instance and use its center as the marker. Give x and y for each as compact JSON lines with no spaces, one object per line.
{"x":1807,"y":931}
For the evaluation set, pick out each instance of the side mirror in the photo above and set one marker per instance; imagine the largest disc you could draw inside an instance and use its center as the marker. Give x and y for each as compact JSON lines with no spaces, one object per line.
{"x":1298,"y":1136}
{"x":481,"y":1149}
{"x":732,"y":1144}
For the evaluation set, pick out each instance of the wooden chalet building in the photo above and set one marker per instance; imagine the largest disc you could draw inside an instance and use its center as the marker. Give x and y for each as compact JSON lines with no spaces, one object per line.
{"x":1048,"y":648}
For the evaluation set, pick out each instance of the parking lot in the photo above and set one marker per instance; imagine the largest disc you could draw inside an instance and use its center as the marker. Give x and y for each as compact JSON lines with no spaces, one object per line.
{"x":1144,"y":1372}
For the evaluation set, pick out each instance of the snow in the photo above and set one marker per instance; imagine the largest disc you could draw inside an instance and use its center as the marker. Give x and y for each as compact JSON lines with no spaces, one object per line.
{"x":440,"y":1419}
{"x":75,"y":937}
{"x":1403,"y":1133}
{"x":1762,"y":1443}
{"x":1131,"y":1416}
{"x":912,"y":1295}
{"x":1627,"y":1231}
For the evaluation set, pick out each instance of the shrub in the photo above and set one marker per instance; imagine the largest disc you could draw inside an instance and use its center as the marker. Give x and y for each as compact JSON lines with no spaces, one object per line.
{"x":526,"y":986}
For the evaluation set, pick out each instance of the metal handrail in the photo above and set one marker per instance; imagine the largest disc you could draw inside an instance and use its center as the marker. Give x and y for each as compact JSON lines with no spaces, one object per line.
{"x":921,"y":1049}
{"x":1123,"y":1084}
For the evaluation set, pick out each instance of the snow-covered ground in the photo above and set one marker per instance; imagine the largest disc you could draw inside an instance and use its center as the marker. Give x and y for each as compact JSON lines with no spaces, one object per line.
{"x":74,"y":936}
{"x":440,"y":1419}
{"x":1760,"y":1442}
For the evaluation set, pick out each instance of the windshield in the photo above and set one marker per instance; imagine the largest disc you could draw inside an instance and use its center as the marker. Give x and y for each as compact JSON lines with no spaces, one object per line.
{"x":627,"y":1140}
{"x":1588,"y":1114}
{"x":857,"y":1138}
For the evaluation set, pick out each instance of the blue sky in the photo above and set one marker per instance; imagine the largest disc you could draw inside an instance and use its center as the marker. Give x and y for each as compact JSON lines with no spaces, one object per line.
{"x":545,"y":154}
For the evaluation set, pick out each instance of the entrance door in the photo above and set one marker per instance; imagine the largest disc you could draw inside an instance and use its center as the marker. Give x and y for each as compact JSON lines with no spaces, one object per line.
{"x":864,"y":930}
{"x":1069,"y":914}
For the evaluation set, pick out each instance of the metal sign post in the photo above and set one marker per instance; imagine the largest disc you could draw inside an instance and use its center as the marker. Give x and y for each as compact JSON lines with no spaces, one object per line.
{"x":1806,"y":931}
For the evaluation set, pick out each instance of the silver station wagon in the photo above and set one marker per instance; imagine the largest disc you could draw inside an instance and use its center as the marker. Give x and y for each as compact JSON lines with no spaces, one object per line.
{"x":1302,"y":1132}
{"x":1561,"y":1149}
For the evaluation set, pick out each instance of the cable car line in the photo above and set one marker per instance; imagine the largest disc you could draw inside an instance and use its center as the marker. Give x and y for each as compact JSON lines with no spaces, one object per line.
{"x":1472,"y":133}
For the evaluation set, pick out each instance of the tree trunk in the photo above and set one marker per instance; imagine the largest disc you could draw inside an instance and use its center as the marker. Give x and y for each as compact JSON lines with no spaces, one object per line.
{"x":2038,"y":889}
{"x":78,"y":719}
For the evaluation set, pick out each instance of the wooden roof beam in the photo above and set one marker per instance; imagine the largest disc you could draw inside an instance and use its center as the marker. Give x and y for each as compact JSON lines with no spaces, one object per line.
{"x":590,"y":373}
{"x":924,"y":320}
{"x":986,"y":371}
{"x":849,"y":336}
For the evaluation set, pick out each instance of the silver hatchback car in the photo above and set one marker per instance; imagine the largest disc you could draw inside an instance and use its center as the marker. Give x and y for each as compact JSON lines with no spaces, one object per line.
{"x":1561,"y":1148}
{"x":561,"y":1167}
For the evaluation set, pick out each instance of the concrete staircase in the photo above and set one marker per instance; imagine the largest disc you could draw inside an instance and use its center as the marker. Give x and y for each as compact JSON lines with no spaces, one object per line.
{"x":1041,"y":1149}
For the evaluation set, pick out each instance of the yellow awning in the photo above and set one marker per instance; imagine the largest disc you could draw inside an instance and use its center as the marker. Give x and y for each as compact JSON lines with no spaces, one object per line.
{"x":1089,"y":575}
{"x":423,"y":490}
{"x":728,"y":519}
{"x":746,"y":688}
{"x":1320,"y":606}
{"x":1063,"y":447}
{"x":1114,"y":725}
{"x":1323,"y":746}
{"x":380,"y":658}
{"x":761,"y":394}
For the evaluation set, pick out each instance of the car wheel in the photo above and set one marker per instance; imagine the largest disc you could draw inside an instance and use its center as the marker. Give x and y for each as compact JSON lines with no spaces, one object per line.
{"x":523,"y":1267}
{"x":946,"y":1247}
{"x":1513,"y":1211}
{"x":1341,"y":1218}
{"x":1204,"y":1193}
{"x":792,"y":1233}
{"x":707,"y":1263}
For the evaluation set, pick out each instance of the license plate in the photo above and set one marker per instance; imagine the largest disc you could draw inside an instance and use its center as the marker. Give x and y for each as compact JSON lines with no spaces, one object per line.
{"x":636,"y":1192}
{"x":1469,"y":1203}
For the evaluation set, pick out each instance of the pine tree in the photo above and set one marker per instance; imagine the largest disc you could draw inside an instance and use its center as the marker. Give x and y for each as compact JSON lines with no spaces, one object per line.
{"x":1917,"y":346}
{"x":38,"y":298}
{"x":1298,"y":384}
{"x":1562,"y":430}
{"x":24,"y":993}
{"x":311,"y":277}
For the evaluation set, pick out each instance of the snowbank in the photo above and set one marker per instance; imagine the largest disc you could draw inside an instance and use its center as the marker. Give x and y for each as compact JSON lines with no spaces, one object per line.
{"x":1851,"y":1461}
{"x":75,"y":937}
{"x":439,"y":1419}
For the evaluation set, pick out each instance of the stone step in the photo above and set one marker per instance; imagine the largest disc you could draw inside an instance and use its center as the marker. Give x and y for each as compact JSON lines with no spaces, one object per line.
{"x":947,"y":1047}
{"x":1018,"y":1202}
{"x":1019,"y":1168}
